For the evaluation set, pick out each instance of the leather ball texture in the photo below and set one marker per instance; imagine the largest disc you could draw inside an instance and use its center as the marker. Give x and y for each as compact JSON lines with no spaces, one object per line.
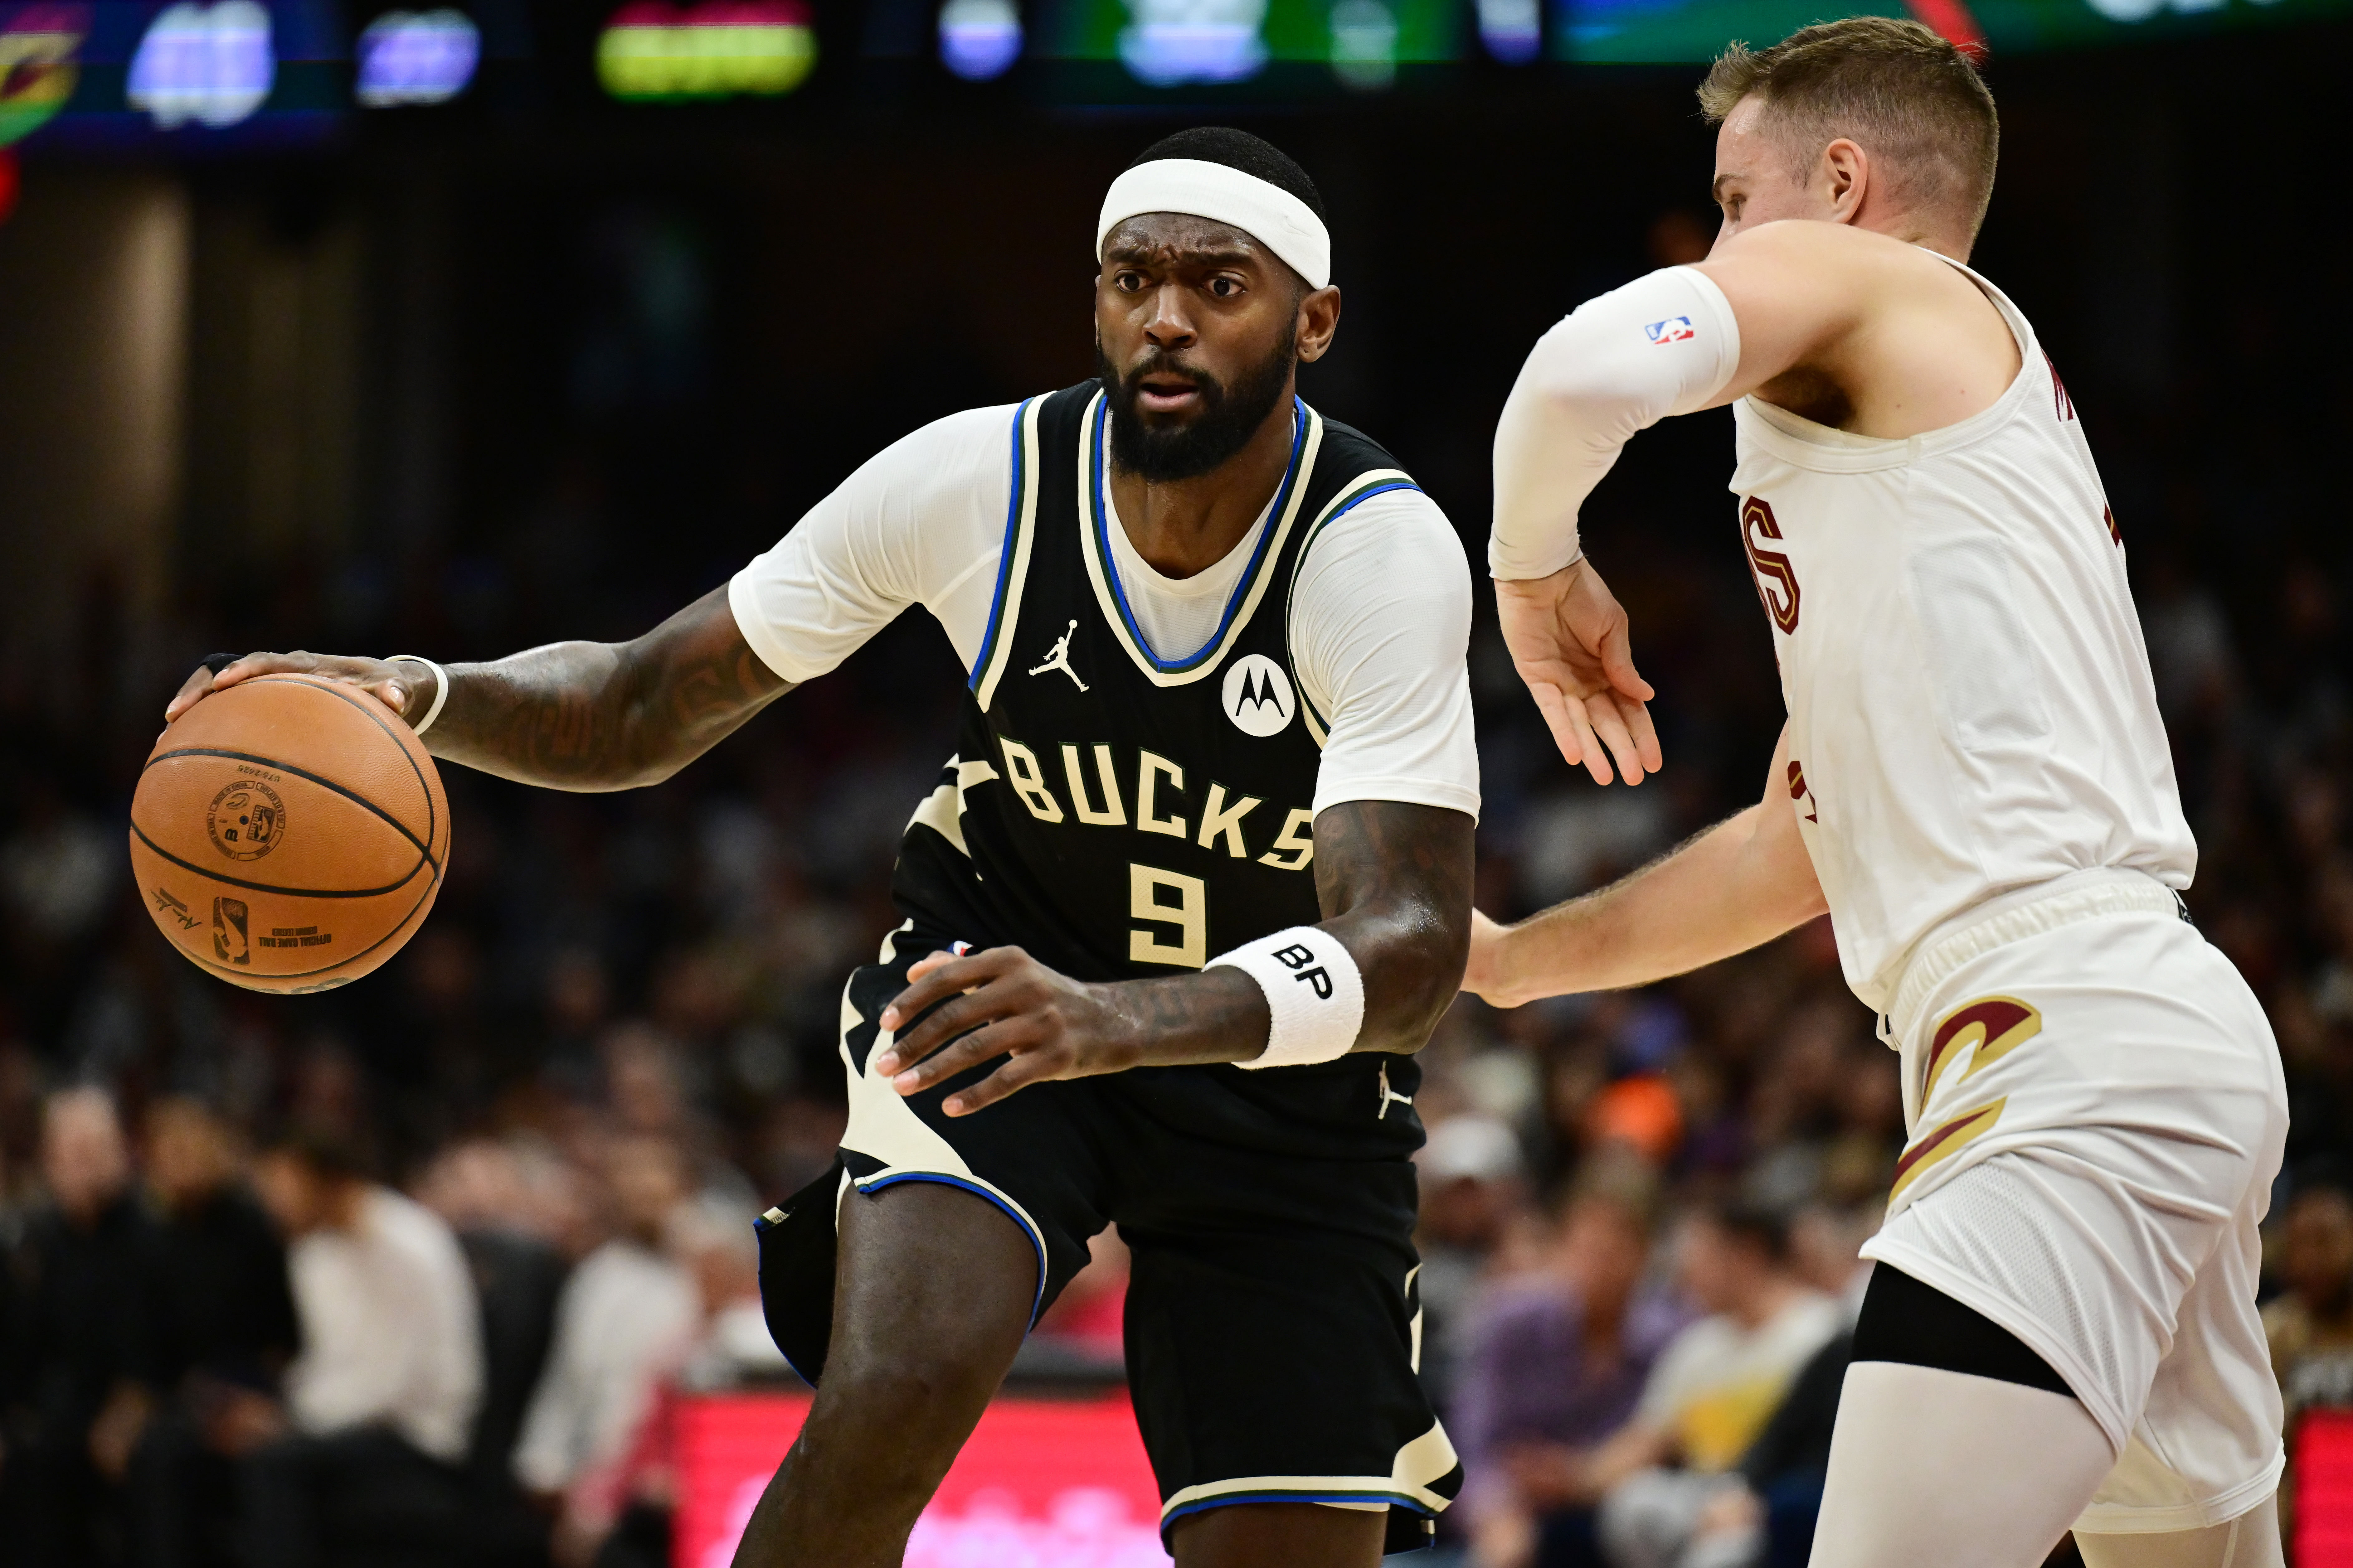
{"x":289,"y":834}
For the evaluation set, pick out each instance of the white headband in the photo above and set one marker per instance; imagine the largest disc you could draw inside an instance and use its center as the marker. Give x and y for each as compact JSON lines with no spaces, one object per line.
{"x":1268,"y":213}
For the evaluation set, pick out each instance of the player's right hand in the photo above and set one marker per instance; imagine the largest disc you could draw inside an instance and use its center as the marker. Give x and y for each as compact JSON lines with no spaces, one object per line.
{"x":403,"y":686}
{"x":1569,"y":641}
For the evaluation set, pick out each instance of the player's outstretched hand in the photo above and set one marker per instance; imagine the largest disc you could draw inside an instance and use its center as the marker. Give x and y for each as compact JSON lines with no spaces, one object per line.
{"x":394,"y":684}
{"x":992,"y":1003}
{"x":1568,"y":638}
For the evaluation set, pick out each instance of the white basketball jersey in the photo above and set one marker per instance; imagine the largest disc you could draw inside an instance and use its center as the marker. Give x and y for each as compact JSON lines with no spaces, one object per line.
{"x":1971,"y":707}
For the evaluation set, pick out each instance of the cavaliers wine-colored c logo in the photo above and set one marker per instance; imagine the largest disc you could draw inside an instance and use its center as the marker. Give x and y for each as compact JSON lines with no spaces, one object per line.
{"x":1996,"y":1025}
{"x":1770,"y":566}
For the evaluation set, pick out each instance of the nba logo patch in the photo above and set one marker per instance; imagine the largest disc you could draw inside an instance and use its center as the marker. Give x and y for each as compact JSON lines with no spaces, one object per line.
{"x":1673,"y":330}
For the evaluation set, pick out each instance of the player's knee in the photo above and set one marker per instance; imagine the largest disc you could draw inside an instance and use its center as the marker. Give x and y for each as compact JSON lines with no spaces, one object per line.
{"x":904,"y":1407}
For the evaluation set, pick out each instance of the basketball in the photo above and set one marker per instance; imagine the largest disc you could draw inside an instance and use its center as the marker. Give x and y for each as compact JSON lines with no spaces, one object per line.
{"x":289,"y":834}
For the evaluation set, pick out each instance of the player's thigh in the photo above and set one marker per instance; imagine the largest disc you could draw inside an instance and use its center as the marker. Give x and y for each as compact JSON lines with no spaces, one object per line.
{"x":934,"y":1285}
{"x":1034,"y":1155}
{"x":1935,"y":1468}
{"x":1279,"y":1535}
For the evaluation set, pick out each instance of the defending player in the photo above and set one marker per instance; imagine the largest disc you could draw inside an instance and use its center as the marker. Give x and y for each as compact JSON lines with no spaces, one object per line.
{"x":1975,"y":783}
{"x":1215,"y":779}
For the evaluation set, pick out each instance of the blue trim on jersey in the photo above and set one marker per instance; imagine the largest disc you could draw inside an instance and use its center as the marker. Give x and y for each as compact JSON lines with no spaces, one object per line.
{"x":1036,"y":1242}
{"x":1368,"y":492}
{"x":1242,"y":589}
{"x":1308,"y":543}
{"x":1005,"y":557}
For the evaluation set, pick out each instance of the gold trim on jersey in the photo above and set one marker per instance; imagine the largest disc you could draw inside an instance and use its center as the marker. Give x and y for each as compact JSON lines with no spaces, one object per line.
{"x":1006,"y":617}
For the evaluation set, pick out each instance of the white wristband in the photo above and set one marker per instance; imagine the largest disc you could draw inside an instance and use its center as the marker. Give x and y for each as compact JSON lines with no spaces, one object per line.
{"x":1313,"y":990}
{"x":440,"y":689}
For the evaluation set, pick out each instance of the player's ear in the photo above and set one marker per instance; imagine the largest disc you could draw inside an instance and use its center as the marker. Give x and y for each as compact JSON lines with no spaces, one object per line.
{"x":1846,"y":173}
{"x":1319,"y":318}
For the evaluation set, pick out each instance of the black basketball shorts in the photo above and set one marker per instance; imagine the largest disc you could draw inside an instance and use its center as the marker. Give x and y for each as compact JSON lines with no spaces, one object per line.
{"x":1272,"y":1330}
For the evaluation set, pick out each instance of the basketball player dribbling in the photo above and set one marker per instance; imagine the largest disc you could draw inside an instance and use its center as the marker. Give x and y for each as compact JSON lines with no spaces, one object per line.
{"x":1211,"y":813}
{"x":1975,"y":784}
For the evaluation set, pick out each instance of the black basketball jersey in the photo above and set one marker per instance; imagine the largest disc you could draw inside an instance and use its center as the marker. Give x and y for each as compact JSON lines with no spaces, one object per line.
{"x":1117,"y":814}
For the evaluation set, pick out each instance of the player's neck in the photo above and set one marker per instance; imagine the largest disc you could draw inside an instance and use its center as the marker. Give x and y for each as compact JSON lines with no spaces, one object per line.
{"x":1916,"y":229}
{"x":1183,"y":527}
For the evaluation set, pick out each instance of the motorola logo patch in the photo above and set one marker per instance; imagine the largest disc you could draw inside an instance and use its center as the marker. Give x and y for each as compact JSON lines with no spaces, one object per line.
{"x":1258,"y":696}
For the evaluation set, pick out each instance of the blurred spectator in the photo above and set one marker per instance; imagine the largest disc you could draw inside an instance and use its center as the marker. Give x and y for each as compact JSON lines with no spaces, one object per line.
{"x":56,"y":867}
{"x":626,"y":1316}
{"x":1472,"y":1193}
{"x":2310,"y":1324}
{"x":379,"y":1405}
{"x":714,"y":1238}
{"x":515,"y":1207}
{"x":225,"y":1328}
{"x":617,"y":1512}
{"x":1554,"y":1363}
{"x":83,"y":1358}
{"x":1784,"y":1469}
{"x":1712,"y":1392}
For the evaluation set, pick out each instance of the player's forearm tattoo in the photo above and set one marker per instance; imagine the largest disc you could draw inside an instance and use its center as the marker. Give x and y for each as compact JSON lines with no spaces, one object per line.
{"x":1394,"y":884}
{"x":606,"y":716}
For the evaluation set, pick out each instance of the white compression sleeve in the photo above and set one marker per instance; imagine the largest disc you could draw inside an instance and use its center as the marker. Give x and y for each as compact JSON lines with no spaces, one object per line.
{"x":1932,"y":1468}
{"x":1314,"y":994}
{"x":1667,"y":343}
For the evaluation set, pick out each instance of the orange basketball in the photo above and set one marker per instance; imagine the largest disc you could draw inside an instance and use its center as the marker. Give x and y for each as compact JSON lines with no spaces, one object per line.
{"x":289,"y":834}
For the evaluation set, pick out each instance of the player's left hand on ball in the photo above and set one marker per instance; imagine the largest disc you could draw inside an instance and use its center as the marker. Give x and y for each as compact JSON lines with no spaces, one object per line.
{"x":994,"y":1004}
{"x":396,"y":685}
{"x":1569,"y":641}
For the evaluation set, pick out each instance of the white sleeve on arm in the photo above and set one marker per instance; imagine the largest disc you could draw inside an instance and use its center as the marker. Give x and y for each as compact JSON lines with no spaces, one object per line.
{"x":922,"y":521}
{"x":1379,"y":631}
{"x":1666,"y":344}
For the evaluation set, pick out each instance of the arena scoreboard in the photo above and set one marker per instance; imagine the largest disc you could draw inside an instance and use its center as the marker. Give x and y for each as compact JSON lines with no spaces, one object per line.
{"x":202,"y":74}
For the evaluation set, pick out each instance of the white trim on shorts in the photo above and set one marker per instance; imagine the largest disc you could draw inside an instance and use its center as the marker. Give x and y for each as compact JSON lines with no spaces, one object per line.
{"x":1428,"y":1458}
{"x":884,"y":1126}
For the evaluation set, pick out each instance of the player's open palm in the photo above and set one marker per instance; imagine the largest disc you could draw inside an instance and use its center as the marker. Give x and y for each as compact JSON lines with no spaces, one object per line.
{"x":1569,"y":641}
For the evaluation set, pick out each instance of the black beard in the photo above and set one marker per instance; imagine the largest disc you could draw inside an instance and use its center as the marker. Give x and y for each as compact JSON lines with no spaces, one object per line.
{"x":1229,"y":416}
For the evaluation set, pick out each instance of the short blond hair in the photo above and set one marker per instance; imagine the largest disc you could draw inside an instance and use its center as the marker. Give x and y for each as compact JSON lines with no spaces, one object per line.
{"x":1894,"y":87}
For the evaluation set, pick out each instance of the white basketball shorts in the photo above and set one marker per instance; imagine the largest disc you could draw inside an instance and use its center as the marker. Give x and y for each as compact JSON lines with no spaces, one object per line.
{"x":2097,"y":1114}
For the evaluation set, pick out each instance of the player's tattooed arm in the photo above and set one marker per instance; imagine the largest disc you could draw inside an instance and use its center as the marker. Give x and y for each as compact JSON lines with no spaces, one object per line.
{"x":1394,"y":883}
{"x":571,"y":715}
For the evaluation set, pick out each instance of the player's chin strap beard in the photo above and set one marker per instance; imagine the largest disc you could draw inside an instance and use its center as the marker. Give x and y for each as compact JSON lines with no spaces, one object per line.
{"x":1229,"y":416}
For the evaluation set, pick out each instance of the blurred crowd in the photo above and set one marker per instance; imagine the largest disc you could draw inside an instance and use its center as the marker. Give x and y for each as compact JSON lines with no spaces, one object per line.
{"x":416,"y":1270}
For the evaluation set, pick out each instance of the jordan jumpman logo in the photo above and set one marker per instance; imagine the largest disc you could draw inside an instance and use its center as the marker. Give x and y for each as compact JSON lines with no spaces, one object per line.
{"x":1059,"y":658}
{"x":1391,"y":1097}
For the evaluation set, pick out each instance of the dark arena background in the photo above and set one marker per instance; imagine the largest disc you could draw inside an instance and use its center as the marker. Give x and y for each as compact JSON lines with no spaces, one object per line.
{"x":463,"y":330}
